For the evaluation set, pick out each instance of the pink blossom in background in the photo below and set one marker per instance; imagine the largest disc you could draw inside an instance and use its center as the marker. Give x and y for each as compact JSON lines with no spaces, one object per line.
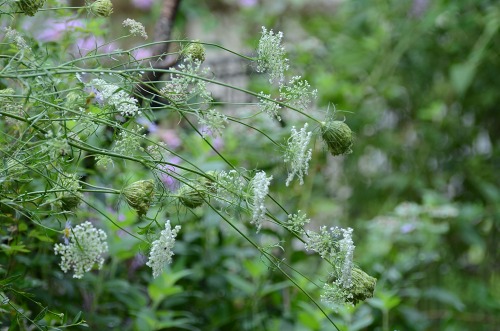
{"x":143,"y":4}
{"x":170,"y":137}
{"x":248,"y":3}
{"x":91,"y":43}
{"x":170,"y":182}
{"x":53,"y":30}
{"x":142,"y":53}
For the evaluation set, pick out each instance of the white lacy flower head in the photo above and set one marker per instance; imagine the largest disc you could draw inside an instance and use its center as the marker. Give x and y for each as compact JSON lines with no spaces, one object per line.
{"x":296,"y":222}
{"x":112,"y":95}
{"x":271,"y":56}
{"x":135,"y":28}
{"x":270,"y":107}
{"x":84,"y":247}
{"x":297,"y":93}
{"x":297,"y":155}
{"x":213,"y":121}
{"x":334,"y":244}
{"x":260,"y":187}
{"x":16,"y":38}
{"x":161,"y":249}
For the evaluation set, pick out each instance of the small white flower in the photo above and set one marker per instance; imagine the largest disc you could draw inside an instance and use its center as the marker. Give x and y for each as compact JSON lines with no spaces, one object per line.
{"x":213,"y":121}
{"x":135,"y":28}
{"x":85,"y":246}
{"x":297,"y":155}
{"x":112,"y":95}
{"x":271,"y":56}
{"x":161,"y":249}
{"x":296,"y":222}
{"x":297,"y":93}
{"x":16,"y":38}
{"x":269,"y":106}
{"x":260,"y":188}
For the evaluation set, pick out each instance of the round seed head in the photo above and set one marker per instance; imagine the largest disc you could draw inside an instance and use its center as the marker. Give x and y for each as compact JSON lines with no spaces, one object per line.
{"x":195,"y":51}
{"x":30,"y":7}
{"x":363,"y":285}
{"x":102,"y":8}
{"x":139,"y":195}
{"x":192,"y":196}
{"x":337,"y":136}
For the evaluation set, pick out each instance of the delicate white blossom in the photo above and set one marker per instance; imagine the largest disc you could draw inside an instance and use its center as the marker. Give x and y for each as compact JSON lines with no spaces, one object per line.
{"x":184,"y":83}
{"x":161,"y":249}
{"x":297,"y":155}
{"x":297,"y":93}
{"x":85,"y":246}
{"x":213,"y":121}
{"x":260,"y":187}
{"x":135,"y":28}
{"x":270,"y":107}
{"x":112,"y":95}
{"x":271,"y":56}
{"x":296,"y":222}
{"x":16,"y":38}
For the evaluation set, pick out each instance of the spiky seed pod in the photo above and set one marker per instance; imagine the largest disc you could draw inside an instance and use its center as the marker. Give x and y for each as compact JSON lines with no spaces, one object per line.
{"x":30,"y":7}
{"x":192,"y":196}
{"x":195,"y":51}
{"x":337,"y":136}
{"x":363,"y":285}
{"x":102,"y":8}
{"x":139,"y":195}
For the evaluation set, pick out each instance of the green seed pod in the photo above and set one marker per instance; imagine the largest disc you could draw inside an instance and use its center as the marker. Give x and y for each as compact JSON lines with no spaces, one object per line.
{"x":102,"y":8}
{"x":30,"y":7}
{"x":70,"y":201}
{"x":337,"y":136}
{"x":195,"y":51}
{"x":363,"y":285}
{"x":139,"y":195}
{"x":192,"y":196}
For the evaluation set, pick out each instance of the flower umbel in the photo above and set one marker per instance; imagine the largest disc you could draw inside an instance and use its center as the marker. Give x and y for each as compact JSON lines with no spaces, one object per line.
{"x":30,"y":7}
{"x":297,"y":155}
{"x":102,"y":8}
{"x":135,"y":28}
{"x":337,"y":136}
{"x":140,"y":195}
{"x":161,"y":249}
{"x":271,"y":56}
{"x":260,"y":187}
{"x":112,"y":95}
{"x":85,"y":248}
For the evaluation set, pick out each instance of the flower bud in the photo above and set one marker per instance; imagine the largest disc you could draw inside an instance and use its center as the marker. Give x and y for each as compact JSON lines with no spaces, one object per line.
{"x":337,"y":136}
{"x":363,"y":285}
{"x":70,"y":198}
{"x":192,"y":196}
{"x":30,"y":7}
{"x":195,"y":52}
{"x":139,"y":195}
{"x":102,"y":8}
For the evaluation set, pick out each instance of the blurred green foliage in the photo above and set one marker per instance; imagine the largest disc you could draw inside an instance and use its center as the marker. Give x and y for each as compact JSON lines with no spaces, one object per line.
{"x":417,"y":81}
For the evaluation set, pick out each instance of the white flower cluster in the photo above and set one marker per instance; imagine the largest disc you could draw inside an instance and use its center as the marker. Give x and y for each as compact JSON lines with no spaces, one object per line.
{"x":135,"y":28}
{"x":85,"y":247}
{"x":269,"y":106}
{"x":112,"y":95}
{"x":185,"y":83}
{"x":230,"y":187}
{"x":271,"y":56}
{"x":213,"y":121}
{"x":16,"y":38}
{"x":335,"y":245}
{"x":296,"y":222}
{"x":297,"y":155}
{"x":260,"y":187}
{"x":161,"y":249}
{"x":297,"y":93}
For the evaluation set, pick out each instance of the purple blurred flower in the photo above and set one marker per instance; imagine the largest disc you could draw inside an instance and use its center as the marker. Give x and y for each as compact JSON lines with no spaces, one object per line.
{"x":170,"y":138}
{"x":143,"y":4}
{"x":248,"y":3}
{"x":142,"y":53}
{"x":170,"y":182}
{"x":407,"y":227}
